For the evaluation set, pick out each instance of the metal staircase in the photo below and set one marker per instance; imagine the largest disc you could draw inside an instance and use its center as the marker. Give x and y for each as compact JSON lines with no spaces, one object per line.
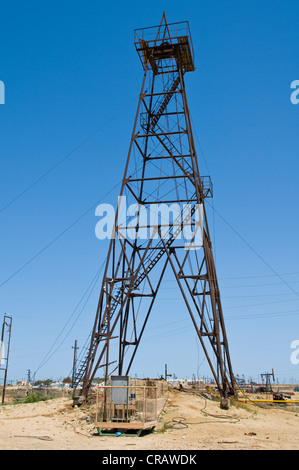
{"x":135,"y":280}
{"x":160,"y":108}
{"x":149,"y":123}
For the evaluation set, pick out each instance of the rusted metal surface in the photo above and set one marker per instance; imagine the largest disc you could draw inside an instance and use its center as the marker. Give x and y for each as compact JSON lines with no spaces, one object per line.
{"x":162,"y":167}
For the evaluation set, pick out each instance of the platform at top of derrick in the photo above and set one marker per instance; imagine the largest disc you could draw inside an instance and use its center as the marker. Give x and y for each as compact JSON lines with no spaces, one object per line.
{"x":165,"y":47}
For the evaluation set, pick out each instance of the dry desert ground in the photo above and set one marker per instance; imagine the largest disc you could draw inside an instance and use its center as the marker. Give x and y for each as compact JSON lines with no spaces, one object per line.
{"x":187,"y":422}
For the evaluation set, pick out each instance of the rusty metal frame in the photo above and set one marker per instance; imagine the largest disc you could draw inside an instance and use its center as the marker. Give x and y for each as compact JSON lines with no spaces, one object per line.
{"x":166,"y":137}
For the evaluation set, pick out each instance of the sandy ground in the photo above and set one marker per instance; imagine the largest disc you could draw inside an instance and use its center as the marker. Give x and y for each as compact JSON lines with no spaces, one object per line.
{"x":188,"y":422}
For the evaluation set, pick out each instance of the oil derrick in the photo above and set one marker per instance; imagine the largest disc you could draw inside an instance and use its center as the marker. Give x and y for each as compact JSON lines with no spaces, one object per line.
{"x":161,"y":181}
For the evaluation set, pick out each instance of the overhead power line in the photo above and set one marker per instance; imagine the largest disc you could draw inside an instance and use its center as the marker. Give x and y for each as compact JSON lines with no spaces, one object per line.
{"x":90,"y":290}
{"x":59,"y":162}
{"x":256,"y":253}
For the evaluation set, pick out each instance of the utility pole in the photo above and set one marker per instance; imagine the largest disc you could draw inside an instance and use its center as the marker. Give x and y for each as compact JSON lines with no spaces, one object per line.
{"x":4,"y":349}
{"x":75,"y":348}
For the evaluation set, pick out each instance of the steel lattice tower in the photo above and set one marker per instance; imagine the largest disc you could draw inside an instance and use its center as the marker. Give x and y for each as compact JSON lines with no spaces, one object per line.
{"x":161,"y":172}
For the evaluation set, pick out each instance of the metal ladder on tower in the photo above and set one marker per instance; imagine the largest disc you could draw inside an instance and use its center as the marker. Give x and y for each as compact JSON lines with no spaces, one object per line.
{"x":148,"y":265}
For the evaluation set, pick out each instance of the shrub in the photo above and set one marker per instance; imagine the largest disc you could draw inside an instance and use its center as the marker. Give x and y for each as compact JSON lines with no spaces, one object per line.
{"x":35,"y":397}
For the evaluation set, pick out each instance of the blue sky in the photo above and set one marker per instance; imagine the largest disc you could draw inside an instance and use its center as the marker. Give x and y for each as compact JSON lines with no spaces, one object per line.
{"x":72,"y":78}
